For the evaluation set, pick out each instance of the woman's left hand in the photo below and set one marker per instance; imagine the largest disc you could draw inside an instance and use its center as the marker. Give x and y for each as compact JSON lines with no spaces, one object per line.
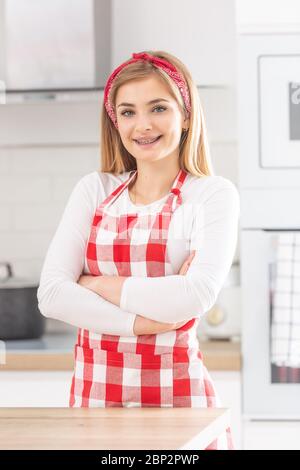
{"x":88,"y":281}
{"x":108,"y":287}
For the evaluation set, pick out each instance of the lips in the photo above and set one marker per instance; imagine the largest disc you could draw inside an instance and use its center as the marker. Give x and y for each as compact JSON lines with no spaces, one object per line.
{"x":148,"y":141}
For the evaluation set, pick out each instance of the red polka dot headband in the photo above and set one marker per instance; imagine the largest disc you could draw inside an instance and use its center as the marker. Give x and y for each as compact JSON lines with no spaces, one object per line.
{"x":157,"y":62}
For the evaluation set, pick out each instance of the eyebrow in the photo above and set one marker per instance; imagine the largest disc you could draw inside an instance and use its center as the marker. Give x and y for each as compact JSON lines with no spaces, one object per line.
{"x":150,"y":102}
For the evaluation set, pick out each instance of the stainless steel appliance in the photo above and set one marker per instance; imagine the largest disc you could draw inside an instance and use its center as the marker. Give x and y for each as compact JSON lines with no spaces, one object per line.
{"x":20,"y":317}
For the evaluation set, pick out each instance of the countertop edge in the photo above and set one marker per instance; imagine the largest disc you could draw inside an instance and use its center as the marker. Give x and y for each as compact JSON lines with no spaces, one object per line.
{"x":217,"y":355}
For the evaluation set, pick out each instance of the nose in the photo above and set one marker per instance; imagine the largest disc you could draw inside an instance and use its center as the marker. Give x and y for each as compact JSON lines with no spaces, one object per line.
{"x":143,"y":123}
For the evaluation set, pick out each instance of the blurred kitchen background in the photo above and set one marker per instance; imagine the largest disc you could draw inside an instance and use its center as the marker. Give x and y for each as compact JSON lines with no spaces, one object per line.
{"x":244,"y":55}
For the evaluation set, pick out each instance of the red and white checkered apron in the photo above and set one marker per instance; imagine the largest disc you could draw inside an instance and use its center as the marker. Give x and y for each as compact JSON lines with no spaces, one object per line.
{"x":162,"y":370}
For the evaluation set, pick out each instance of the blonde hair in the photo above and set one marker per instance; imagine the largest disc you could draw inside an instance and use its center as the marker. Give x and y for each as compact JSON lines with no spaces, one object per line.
{"x":194,"y":155}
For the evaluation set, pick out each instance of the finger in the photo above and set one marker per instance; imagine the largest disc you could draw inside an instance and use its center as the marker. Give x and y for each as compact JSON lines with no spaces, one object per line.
{"x":189,"y":259}
{"x":184,"y":268}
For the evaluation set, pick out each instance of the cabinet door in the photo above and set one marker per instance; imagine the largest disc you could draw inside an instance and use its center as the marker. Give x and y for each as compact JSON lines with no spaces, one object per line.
{"x":35,"y":389}
{"x":228,"y":386}
{"x":271,"y":435}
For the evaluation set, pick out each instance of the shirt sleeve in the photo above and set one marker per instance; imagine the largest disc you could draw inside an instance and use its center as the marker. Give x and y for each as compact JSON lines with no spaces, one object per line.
{"x":59,"y":295}
{"x":182,"y":297}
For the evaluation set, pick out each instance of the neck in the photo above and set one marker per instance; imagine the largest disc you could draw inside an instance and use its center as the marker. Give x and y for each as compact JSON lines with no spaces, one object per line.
{"x":154,"y":180}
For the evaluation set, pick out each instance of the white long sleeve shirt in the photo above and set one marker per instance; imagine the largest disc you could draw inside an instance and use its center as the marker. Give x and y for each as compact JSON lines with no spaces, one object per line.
{"x":207,"y":222}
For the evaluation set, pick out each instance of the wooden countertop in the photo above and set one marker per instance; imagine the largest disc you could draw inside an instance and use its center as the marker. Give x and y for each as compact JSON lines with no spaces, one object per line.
{"x":57,"y":354}
{"x":221,"y":355}
{"x":111,"y":428}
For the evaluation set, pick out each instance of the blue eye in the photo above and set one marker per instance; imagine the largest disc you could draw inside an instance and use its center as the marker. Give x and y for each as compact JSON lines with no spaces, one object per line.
{"x":156,"y":107}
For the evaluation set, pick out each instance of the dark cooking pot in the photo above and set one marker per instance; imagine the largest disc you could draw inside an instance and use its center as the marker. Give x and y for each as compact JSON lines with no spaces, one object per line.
{"x":20,"y":317}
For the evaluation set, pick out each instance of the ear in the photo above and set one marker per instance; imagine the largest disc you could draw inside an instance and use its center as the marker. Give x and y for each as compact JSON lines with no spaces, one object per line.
{"x":186,"y":124}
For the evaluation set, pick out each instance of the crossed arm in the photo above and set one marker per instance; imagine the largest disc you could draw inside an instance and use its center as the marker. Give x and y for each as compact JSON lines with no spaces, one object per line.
{"x":110,"y":288}
{"x":108,"y":304}
{"x":81,"y":304}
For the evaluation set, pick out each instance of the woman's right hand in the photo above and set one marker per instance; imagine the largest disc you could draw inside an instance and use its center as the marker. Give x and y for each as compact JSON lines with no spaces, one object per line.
{"x":145,"y":326}
{"x":185,"y":267}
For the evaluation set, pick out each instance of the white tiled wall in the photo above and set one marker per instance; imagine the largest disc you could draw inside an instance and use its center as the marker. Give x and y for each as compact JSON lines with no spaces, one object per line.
{"x":35,"y":185}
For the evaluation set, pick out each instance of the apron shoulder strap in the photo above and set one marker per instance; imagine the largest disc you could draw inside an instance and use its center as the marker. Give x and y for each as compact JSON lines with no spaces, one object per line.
{"x":116,"y":193}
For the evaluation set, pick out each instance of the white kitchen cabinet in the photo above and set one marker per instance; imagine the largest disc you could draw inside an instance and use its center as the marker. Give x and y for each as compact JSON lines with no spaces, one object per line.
{"x":35,"y":388}
{"x":51,"y":389}
{"x":271,"y":435}
{"x":253,"y":435}
{"x":267,"y":16}
{"x":228,"y":386}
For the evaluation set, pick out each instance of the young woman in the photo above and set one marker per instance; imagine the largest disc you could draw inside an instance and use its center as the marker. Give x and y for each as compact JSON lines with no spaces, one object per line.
{"x":144,"y":246}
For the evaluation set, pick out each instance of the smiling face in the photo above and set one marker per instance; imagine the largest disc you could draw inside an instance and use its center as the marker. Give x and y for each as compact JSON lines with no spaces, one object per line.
{"x":141,"y":119}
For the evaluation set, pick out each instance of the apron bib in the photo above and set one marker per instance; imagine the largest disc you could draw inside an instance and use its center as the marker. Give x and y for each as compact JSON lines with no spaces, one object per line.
{"x":162,"y":370}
